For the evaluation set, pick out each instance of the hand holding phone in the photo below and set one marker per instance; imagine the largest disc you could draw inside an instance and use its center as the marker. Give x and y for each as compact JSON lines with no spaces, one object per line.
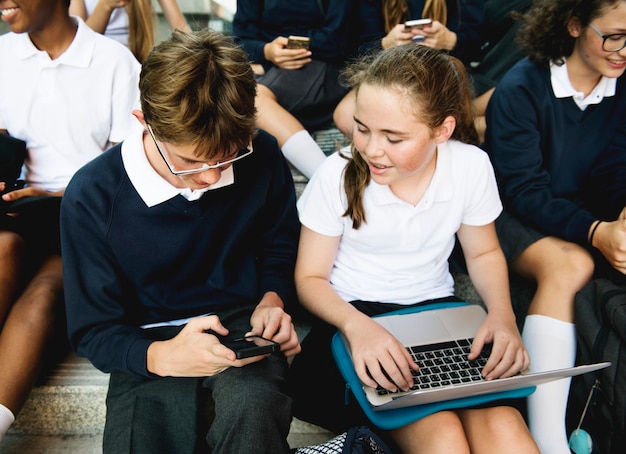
{"x":245,"y":347}
{"x":298,"y":42}
{"x":416,"y":24}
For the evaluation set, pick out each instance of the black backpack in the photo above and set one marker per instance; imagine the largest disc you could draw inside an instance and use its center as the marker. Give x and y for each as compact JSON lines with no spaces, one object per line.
{"x":600,"y":309}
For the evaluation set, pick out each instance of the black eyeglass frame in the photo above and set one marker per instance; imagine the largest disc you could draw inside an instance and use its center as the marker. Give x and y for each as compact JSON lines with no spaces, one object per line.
{"x":609,"y":36}
{"x":249,"y":149}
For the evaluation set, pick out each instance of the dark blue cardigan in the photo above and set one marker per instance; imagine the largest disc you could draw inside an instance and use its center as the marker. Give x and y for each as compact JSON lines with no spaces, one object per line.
{"x":126,"y":264}
{"x":558,"y":168}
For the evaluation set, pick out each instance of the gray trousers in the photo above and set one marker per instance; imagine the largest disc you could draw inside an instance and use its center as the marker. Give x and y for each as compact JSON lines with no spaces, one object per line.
{"x":241,"y":410}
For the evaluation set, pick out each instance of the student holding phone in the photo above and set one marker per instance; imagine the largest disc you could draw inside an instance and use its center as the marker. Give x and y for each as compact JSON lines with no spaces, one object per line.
{"x":298,"y":88}
{"x":177,"y":241}
{"x":454,"y":26}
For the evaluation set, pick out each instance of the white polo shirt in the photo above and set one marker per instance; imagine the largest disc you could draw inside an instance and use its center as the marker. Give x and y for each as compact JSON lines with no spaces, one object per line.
{"x":401,"y":254}
{"x":117,"y":27}
{"x":70,"y":109}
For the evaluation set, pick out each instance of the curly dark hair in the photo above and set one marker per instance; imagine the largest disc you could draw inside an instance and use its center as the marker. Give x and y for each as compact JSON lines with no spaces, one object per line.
{"x":544,"y":36}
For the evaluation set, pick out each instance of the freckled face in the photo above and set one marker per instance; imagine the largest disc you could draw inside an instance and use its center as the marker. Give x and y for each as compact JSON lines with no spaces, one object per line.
{"x":396,"y":146}
{"x":588,"y":48}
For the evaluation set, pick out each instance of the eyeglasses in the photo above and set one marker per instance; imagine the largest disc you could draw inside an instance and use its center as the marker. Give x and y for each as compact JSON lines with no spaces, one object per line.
{"x":240,"y":154}
{"x":613,"y":42}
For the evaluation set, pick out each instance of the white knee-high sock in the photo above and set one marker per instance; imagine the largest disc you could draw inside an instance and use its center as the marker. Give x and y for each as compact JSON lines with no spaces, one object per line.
{"x":551,"y":344}
{"x":303,"y":152}
{"x":6,"y":419}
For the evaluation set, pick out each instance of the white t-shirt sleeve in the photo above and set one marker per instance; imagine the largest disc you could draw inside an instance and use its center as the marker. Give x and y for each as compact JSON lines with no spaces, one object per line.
{"x":323,"y":202}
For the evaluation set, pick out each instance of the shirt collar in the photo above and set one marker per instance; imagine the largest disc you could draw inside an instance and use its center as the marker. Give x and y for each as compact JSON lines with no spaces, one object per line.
{"x":562,"y":87}
{"x":152,"y":187}
{"x":78,"y":54}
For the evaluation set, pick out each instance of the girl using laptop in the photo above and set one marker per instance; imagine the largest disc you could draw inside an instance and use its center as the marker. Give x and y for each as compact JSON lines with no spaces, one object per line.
{"x":379,"y":223}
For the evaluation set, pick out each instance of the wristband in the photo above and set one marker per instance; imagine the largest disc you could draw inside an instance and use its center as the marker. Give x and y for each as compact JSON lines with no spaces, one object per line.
{"x":593,"y":232}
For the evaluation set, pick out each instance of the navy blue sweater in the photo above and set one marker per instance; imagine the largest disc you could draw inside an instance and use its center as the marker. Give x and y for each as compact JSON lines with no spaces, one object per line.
{"x":558,"y":168}
{"x":465,"y":17}
{"x":127,"y":264}
{"x":332,"y":31}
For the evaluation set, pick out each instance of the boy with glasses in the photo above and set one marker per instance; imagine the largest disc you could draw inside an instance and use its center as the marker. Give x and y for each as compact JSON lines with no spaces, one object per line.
{"x":183,"y":235}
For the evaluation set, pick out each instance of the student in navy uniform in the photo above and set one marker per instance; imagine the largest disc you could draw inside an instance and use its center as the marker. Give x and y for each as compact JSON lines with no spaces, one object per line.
{"x":456,"y":28}
{"x":556,"y":132}
{"x":185,"y":232}
{"x":298,"y":88}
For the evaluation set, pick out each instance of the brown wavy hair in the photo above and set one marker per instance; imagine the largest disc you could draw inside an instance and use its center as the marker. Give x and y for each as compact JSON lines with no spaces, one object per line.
{"x":544,"y":36}
{"x":199,"y":88}
{"x":397,"y":11}
{"x":437,"y":86}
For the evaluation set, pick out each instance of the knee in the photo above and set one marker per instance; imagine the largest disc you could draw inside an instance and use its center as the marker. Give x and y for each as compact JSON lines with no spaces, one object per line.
{"x":38,"y":303}
{"x":571,"y":269}
{"x":505,"y":426}
{"x":440,"y":432}
{"x":11,"y":246}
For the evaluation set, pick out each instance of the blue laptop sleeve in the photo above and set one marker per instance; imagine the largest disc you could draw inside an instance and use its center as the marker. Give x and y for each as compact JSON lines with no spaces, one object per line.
{"x":392,"y":419}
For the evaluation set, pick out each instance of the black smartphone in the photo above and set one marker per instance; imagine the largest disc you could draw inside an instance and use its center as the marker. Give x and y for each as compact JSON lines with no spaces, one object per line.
{"x":247,"y":346}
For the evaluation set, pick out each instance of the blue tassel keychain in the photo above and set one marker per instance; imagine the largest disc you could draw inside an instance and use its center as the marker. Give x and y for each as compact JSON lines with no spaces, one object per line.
{"x":580,"y":441}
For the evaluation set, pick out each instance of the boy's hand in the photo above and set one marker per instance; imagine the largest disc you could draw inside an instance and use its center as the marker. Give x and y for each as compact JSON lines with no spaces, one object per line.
{"x":270,"y":320}
{"x":193,"y":352}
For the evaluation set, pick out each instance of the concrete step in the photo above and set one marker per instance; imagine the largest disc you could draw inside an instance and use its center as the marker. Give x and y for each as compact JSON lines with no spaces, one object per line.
{"x":66,"y":414}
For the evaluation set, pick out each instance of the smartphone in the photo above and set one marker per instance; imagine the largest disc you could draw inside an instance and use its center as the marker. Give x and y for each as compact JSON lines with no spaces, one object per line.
{"x":244,"y":347}
{"x":416,"y":23}
{"x":298,"y":42}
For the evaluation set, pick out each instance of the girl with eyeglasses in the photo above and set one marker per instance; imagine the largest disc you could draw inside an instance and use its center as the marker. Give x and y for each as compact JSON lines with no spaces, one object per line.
{"x":556,"y":133}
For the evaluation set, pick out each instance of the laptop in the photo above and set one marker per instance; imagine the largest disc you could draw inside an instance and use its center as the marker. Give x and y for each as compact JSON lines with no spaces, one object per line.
{"x":439,"y":340}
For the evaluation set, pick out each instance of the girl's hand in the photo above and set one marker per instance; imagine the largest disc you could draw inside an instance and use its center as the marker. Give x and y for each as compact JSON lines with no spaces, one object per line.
{"x":27,"y":192}
{"x":110,"y":5}
{"x":277,"y":52}
{"x":438,"y":36}
{"x":379,"y":359}
{"x":397,"y":36}
{"x":508,"y":354}
{"x":610,"y":239}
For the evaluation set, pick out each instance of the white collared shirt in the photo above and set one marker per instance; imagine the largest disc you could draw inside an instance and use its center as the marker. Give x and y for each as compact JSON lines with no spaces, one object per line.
{"x":70,"y":109}
{"x":562,"y":87}
{"x":152,"y":187}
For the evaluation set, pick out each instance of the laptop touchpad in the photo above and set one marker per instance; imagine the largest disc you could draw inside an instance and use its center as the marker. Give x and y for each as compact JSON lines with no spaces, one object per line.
{"x":429,"y":329}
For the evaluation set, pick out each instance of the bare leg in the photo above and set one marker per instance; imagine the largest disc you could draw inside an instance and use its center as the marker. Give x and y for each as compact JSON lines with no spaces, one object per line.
{"x":11,"y":249}
{"x":497,"y":430}
{"x":343,"y":116}
{"x":480,"y":107}
{"x":296,"y":143}
{"x":560,"y":269}
{"x":439,"y":433}
{"x":26,"y":332}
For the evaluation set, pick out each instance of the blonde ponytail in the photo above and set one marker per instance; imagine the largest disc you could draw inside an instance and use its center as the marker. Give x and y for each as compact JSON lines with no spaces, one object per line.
{"x":141,"y":24}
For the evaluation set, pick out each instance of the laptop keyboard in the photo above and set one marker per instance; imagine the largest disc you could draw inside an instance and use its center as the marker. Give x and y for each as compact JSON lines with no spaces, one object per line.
{"x":444,"y":364}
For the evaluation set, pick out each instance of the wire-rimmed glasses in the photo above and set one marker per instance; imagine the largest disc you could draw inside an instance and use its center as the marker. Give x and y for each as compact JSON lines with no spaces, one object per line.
{"x":240,"y":154}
